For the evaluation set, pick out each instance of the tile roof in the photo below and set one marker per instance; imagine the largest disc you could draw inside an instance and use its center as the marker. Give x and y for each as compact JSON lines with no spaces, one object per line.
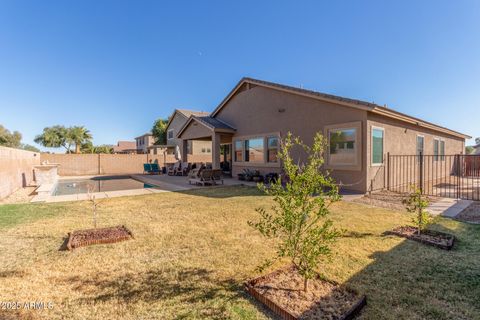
{"x":214,"y":123}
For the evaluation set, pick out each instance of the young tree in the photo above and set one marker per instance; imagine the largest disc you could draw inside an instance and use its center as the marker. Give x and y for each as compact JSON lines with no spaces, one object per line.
{"x":159,"y":131}
{"x":299,"y":217}
{"x":417,"y":203}
{"x":55,"y":137}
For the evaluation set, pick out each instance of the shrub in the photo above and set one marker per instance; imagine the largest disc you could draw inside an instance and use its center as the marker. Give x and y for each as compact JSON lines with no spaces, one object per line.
{"x":299,"y":217}
{"x":417,"y":203}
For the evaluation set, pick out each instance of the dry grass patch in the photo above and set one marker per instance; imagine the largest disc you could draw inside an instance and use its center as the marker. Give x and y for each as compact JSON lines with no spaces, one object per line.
{"x":193,"y":251}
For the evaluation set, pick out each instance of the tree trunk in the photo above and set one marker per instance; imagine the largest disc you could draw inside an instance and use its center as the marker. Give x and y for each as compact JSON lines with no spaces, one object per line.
{"x":305,"y":284}
{"x":77,"y":148}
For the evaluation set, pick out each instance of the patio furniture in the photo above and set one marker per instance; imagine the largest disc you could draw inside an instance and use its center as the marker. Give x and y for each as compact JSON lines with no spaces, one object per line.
{"x":217,"y":176}
{"x":185,"y":168}
{"x":203,"y":176}
{"x":175,"y":169}
{"x":147,"y":168}
{"x":155,"y":169}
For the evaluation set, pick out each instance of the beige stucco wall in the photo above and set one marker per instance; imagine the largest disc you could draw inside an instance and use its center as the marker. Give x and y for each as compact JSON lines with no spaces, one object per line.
{"x":93,"y":164}
{"x":400,"y":138}
{"x":16,"y":169}
{"x":262,"y":111}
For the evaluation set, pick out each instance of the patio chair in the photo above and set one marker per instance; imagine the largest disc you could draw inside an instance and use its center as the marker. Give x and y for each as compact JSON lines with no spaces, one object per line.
{"x":155,"y":169}
{"x":147,"y":168}
{"x":173,"y":170}
{"x":217,"y":176}
{"x":186,"y":167}
{"x":204,"y":176}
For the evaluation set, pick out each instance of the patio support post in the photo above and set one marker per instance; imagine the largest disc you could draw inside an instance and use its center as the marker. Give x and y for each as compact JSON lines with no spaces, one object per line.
{"x":184,"y":150}
{"x":216,"y":150}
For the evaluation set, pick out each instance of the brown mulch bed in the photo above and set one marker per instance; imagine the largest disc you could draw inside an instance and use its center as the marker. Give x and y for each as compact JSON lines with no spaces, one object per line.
{"x":471,"y":214}
{"x":282,"y":292}
{"x":388,"y":199}
{"x":88,"y":237}
{"x":430,"y":237}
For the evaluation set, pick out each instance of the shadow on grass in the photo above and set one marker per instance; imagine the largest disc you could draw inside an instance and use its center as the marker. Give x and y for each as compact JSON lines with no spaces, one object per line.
{"x":194,"y":286}
{"x":416,"y":281}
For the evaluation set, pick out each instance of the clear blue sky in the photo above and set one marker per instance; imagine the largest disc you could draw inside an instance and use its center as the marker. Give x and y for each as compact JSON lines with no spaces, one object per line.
{"x":115,"y":66}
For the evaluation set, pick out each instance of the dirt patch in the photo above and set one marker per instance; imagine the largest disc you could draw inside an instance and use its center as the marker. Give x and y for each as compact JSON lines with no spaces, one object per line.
{"x":389,"y":200}
{"x":88,"y":237}
{"x":434,"y":238}
{"x":470,"y":214}
{"x":282,"y":291}
{"x":22,"y":195}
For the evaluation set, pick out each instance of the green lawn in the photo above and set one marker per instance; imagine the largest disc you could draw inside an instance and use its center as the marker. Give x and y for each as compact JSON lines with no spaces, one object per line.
{"x":193,"y":250}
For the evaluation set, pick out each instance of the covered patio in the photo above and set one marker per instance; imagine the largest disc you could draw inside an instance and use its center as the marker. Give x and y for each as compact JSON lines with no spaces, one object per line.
{"x":210,"y":129}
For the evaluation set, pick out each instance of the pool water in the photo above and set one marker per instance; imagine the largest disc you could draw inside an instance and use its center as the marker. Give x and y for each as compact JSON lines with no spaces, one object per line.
{"x":98,"y":184}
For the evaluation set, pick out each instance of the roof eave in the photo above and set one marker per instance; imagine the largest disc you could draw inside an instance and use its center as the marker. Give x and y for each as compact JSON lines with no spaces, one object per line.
{"x":405,"y":118}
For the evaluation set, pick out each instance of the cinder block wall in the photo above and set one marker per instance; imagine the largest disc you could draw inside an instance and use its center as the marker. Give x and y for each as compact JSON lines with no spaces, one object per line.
{"x":93,"y":164}
{"x":16,"y":169}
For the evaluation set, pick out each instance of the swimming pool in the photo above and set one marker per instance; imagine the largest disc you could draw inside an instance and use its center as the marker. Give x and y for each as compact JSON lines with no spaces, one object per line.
{"x":98,"y":184}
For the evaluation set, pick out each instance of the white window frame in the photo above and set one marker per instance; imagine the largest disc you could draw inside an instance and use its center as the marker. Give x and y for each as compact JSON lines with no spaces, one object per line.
{"x":168,"y":134}
{"x":358,"y":126}
{"x":371,"y":147}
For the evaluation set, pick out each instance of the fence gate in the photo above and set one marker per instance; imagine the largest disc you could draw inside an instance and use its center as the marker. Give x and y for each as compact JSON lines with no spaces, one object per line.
{"x":451,"y":176}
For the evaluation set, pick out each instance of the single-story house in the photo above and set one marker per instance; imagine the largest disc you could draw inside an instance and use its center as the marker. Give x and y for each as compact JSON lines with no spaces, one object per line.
{"x":246,"y":126}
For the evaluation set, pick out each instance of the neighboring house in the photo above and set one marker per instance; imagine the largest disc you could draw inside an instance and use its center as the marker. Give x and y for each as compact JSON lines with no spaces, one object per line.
{"x":125,"y":147}
{"x":143,"y":142}
{"x":476,"y":149}
{"x":246,"y":127}
{"x":176,"y":121}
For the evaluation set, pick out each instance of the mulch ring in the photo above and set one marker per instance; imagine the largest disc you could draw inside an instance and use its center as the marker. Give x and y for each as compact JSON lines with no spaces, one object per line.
{"x":388,"y":199}
{"x":81,"y":238}
{"x":430,"y":237}
{"x":282,"y":292}
{"x":471,"y":214}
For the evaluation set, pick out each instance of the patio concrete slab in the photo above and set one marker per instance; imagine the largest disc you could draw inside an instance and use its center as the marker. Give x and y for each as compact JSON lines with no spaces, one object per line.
{"x":448,"y":207}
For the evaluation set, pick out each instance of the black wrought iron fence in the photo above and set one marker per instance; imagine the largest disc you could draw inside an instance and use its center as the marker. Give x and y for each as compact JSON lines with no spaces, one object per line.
{"x":452,"y":176}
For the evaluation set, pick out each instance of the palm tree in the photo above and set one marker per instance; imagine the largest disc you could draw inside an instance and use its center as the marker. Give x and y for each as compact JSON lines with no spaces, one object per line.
{"x":79,"y":135}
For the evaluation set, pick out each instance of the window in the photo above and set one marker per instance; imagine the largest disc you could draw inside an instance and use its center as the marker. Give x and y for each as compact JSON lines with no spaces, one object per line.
{"x":377,"y":145}
{"x":436,"y":148}
{"x":254,"y":151}
{"x":342,"y":146}
{"x":209,"y":150}
{"x":170,"y":134}
{"x":272,"y":149}
{"x":420,"y":143}
{"x":442,"y":150}
{"x":203,"y":150}
{"x":238,"y":150}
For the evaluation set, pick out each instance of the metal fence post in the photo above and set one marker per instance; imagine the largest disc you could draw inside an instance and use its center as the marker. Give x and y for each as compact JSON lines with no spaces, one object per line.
{"x":420,"y":162}
{"x":457,"y":156}
{"x":388,"y":170}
